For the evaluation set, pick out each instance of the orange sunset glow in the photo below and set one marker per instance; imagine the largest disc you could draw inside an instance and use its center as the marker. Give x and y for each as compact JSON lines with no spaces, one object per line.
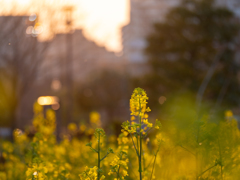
{"x":101,"y":21}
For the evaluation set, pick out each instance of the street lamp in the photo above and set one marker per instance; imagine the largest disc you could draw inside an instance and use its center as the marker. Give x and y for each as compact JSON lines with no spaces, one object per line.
{"x":68,"y":67}
{"x":52,"y":101}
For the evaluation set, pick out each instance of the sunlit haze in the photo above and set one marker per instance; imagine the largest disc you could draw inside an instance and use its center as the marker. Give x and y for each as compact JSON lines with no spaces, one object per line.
{"x":101,"y":21}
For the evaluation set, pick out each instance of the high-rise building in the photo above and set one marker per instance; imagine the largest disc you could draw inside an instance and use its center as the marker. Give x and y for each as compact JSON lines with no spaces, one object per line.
{"x":143,"y":14}
{"x":87,"y":57}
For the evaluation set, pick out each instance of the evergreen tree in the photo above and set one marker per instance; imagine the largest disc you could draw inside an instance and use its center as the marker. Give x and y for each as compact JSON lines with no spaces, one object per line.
{"x":195,"y":45}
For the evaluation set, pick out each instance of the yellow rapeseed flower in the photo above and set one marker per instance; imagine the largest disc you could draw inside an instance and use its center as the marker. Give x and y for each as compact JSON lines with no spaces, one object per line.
{"x":228,"y":114}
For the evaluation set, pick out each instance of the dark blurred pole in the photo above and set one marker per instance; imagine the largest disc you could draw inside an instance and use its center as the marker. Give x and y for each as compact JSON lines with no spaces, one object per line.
{"x":58,"y":123}
{"x":68,"y":68}
{"x":18,"y":69}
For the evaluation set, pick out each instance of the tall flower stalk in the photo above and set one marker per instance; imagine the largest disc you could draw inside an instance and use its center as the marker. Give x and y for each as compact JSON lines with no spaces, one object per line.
{"x":119,"y":165}
{"x":139,"y":126}
{"x":99,"y":133}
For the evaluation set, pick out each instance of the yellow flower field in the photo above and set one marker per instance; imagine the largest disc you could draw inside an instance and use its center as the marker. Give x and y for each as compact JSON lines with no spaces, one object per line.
{"x":145,"y":149}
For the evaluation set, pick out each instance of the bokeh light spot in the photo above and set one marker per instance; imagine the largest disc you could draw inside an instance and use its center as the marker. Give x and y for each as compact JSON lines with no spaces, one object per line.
{"x":32,"y":17}
{"x":162,"y":99}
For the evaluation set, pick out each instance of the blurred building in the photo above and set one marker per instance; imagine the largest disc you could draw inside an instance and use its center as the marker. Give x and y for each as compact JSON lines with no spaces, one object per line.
{"x":143,"y":14}
{"x":87,"y":57}
{"x":71,"y":61}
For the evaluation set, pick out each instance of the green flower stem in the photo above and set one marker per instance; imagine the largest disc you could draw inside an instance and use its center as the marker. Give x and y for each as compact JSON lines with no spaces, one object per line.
{"x":87,"y":175}
{"x":154,"y":162}
{"x":134,"y":145}
{"x":140,"y":139}
{"x":206,"y":170}
{"x":93,"y":149}
{"x":148,"y":131}
{"x":143,"y":163}
{"x":99,"y":160}
{"x":137,"y":144}
{"x":188,"y":150}
{"x":220,"y":154}
{"x":140,"y":159}
{"x":105,"y":156}
{"x":118,"y":172}
{"x":119,"y":168}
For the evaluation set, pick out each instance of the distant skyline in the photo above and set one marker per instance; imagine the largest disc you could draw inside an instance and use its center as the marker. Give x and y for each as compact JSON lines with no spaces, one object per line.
{"x":101,"y":21}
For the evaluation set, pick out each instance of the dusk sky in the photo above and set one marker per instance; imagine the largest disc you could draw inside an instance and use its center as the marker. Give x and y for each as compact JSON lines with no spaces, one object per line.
{"x":101,"y":21}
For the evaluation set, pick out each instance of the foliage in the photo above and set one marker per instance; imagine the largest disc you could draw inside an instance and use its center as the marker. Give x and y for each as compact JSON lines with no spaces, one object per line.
{"x":197,"y":41}
{"x":21,"y":58}
{"x":104,"y":91}
{"x":192,"y":148}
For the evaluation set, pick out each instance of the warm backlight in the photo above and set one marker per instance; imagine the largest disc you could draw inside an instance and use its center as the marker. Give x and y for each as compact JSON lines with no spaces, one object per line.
{"x":48,"y":100}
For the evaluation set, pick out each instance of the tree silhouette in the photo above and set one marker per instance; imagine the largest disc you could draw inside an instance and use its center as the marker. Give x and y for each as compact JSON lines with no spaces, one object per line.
{"x":194,"y":49}
{"x":21,"y":55}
